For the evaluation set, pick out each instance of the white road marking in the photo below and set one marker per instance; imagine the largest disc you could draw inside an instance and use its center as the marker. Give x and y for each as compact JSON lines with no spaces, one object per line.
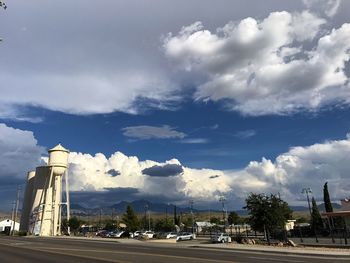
{"x":279,"y":260}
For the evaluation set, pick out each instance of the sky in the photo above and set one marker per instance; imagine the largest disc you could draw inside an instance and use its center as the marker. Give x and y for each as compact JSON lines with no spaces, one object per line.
{"x":173,"y":101}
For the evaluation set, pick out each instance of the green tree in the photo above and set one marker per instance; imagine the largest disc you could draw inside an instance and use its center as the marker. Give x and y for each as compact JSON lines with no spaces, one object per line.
{"x":215,"y":220}
{"x":130,"y":219}
{"x":234,"y":218}
{"x":74,"y":224}
{"x":176,"y":218}
{"x":164,"y":225}
{"x":327,"y":200}
{"x":315,"y":216}
{"x":3,"y":5}
{"x":267,"y":213}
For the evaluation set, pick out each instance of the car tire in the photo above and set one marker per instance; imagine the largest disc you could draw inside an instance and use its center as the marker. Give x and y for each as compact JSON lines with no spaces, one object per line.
{"x":223,"y":241}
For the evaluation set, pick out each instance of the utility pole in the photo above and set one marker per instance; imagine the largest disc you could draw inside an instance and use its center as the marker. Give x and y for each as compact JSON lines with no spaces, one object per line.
{"x":12,"y":218}
{"x":16,"y":209}
{"x":99,"y":224}
{"x":149,"y":219}
{"x":192,"y":220}
{"x":166,"y":214}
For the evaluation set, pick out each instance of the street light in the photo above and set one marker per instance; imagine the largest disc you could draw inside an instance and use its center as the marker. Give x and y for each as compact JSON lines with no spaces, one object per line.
{"x":307,"y":191}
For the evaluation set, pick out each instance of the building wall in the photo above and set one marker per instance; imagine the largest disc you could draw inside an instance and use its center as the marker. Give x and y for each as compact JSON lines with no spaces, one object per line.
{"x":8,"y":223}
{"x":345,"y":204}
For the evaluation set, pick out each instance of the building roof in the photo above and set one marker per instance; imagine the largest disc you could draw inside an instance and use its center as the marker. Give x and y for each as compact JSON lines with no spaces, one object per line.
{"x":338,"y":213}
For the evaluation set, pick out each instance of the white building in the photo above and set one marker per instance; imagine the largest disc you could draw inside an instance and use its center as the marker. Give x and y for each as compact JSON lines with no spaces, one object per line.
{"x":7,"y":225}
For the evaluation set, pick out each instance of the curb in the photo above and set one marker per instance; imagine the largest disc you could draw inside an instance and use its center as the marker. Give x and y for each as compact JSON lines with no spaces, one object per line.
{"x":294,"y":253}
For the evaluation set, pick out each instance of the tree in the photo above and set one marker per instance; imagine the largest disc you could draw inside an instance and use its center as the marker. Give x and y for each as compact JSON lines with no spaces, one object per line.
{"x":233,"y":218}
{"x":267,"y":213}
{"x":130,"y":219}
{"x":176,"y":218}
{"x":3,"y":4}
{"x":164,"y":225}
{"x":215,"y":220}
{"x":327,"y":200}
{"x":74,"y":224}
{"x":315,"y":216}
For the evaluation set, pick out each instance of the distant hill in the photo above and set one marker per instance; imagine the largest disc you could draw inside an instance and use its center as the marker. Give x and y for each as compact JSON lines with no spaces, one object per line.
{"x":320,"y":207}
{"x":139,"y":208}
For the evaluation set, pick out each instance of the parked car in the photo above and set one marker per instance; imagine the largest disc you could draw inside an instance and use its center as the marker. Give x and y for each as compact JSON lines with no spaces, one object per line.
{"x":221,"y":238}
{"x":148,"y":234}
{"x":115,"y":234}
{"x":135,"y":234}
{"x":185,"y":236}
{"x":171,"y":235}
{"x":102,"y":233}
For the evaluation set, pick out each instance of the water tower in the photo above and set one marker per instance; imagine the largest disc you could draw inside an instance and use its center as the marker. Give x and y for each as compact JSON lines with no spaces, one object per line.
{"x":47,"y":205}
{"x":27,"y":204}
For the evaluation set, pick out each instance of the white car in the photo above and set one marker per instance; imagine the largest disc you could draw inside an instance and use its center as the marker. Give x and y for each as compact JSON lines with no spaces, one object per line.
{"x":135,"y":234}
{"x":148,"y":234}
{"x":115,"y":234}
{"x":171,"y":235}
{"x":221,"y":238}
{"x":185,"y":236}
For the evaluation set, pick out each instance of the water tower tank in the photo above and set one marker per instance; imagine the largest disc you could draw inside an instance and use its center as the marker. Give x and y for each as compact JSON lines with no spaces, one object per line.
{"x":58,"y":158}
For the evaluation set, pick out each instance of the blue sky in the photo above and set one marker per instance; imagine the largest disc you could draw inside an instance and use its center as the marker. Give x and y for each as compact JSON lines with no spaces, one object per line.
{"x":230,"y":140}
{"x":220,"y":98}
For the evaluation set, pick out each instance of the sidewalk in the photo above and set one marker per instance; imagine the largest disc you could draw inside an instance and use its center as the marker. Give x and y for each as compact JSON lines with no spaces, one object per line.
{"x":311,"y":251}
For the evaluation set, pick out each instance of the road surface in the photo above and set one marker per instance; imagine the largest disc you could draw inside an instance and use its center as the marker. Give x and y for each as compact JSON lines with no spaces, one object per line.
{"x":35,"y":249}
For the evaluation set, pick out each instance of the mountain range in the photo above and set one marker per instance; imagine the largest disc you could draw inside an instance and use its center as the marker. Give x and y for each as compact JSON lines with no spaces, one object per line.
{"x":141,"y":206}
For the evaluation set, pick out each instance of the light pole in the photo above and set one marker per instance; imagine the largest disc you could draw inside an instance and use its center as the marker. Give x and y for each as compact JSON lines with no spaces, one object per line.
{"x":222,"y":199}
{"x":308,"y":191}
{"x":146,"y":210}
{"x":191,"y":205}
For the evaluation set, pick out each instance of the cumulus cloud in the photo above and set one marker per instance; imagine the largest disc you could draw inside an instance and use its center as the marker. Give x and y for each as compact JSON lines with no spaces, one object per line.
{"x":19,"y":152}
{"x":308,"y":166}
{"x":300,"y":167}
{"x":262,"y":67}
{"x":145,"y":132}
{"x":170,"y":180}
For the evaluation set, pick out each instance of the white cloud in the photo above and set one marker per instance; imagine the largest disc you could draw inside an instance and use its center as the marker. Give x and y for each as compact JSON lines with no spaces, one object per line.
{"x":87,"y":94}
{"x":262,"y":67}
{"x":300,"y":167}
{"x":195,"y":140}
{"x":328,"y":7}
{"x":90,"y":173}
{"x":145,"y":132}
{"x":245,"y":134}
{"x":19,"y":152}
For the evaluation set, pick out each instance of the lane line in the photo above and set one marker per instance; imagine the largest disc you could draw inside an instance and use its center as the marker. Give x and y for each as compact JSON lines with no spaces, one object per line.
{"x":279,"y":260}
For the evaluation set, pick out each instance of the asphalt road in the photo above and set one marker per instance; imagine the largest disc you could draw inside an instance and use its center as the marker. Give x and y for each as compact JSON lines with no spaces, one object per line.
{"x":21,"y":249}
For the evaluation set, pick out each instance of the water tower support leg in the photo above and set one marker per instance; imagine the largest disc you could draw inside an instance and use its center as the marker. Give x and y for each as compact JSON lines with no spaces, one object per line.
{"x":67,"y":200}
